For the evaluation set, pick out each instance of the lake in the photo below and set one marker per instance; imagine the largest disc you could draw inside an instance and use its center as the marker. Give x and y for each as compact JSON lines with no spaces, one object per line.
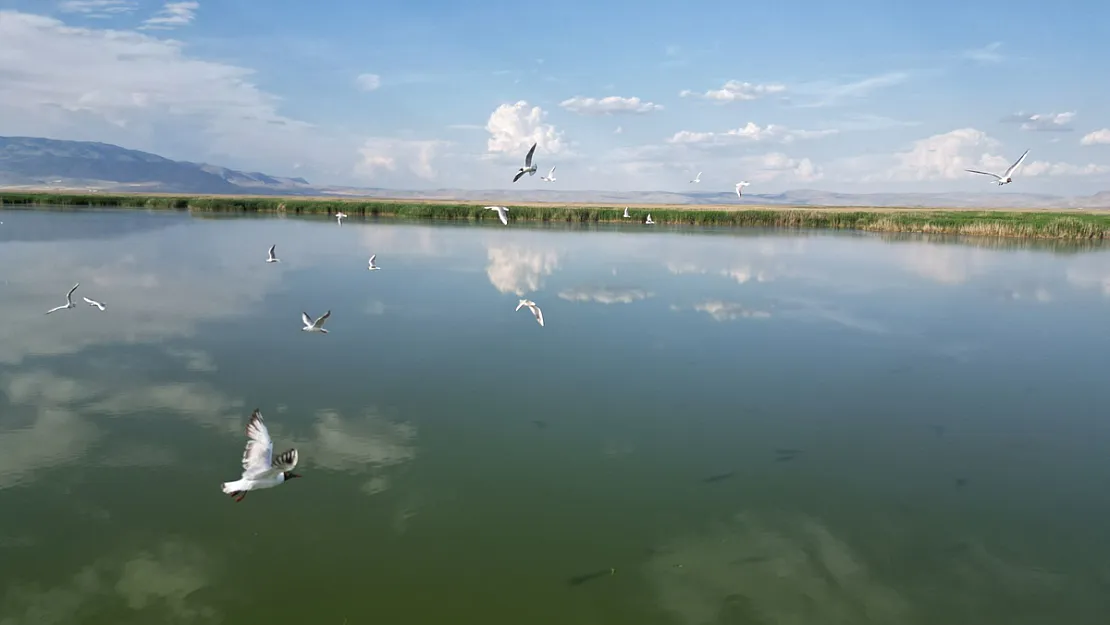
{"x":713,"y":426}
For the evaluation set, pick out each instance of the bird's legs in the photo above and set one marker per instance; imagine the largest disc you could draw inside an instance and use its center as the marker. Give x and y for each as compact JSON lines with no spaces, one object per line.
{"x":238,"y":495}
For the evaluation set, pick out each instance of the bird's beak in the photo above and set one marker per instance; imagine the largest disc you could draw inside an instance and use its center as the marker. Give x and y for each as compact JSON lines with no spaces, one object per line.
{"x":292,"y":475}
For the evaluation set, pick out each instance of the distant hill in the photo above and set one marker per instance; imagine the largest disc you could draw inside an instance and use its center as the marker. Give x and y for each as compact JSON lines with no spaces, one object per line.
{"x":77,"y":165}
{"x":42,"y":163}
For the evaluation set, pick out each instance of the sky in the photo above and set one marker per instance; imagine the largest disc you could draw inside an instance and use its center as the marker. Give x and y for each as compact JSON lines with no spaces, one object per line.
{"x":865,"y":96}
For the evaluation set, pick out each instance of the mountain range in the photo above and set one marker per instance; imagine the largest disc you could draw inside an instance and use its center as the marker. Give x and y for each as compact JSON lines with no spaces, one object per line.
{"x":45,"y":164}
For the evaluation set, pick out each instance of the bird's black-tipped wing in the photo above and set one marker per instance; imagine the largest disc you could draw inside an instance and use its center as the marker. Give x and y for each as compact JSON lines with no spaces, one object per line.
{"x":528,"y":159}
{"x":286,"y":460}
{"x":519,"y":174}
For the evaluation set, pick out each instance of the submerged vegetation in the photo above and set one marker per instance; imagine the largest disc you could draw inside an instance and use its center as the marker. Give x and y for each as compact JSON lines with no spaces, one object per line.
{"x":987,"y":223}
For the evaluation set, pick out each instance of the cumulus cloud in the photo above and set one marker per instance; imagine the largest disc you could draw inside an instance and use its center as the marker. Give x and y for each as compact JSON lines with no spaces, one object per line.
{"x":514,"y":269}
{"x":611,"y":105}
{"x":736,"y":91}
{"x":604,"y":295}
{"x":356,"y":445}
{"x":98,"y":8}
{"x":388,"y":155}
{"x":1098,"y":137}
{"x":1037,"y":122}
{"x":751,"y":132}
{"x":368,"y":82}
{"x":140,"y":91}
{"x":172,"y":15}
{"x":776,"y":165}
{"x":513,"y":128}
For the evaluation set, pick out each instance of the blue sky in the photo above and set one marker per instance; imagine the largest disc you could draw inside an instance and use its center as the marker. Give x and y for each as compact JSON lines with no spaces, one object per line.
{"x":863,"y":96}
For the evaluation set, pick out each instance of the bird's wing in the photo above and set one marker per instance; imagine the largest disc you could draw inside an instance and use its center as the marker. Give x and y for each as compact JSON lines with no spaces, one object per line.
{"x":372,"y":257}
{"x":518,"y":175}
{"x":520,"y":305}
{"x":93,"y":302}
{"x":320,"y":322}
{"x":551,"y":174}
{"x":504,"y":217}
{"x":1016,"y":164}
{"x":305,"y":320}
{"x":537,"y":312}
{"x":985,"y":173}
{"x":256,"y":455}
{"x":69,"y":296}
{"x":528,"y":159}
{"x":272,"y":250}
{"x":55,"y":309}
{"x":285,"y":461}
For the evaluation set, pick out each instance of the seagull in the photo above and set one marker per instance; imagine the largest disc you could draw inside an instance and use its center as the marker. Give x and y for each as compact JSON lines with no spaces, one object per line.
{"x":259,"y":469}
{"x":502,"y":213}
{"x":91,"y":302}
{"x":648,"y":221}
{"x":340,"y":216}
{"x":697,"y":178}
{"x":69,"y":300}
{"x":741,"y":185}
{"x":315,"y":326}
{"x":550,"y":177}
{"x":1004,"y":178}
{"x":532,"y":307}
{"x":270,"y":258}
{"x":626,"y":215}
{"x":528,"y":168}
{"x":372,"y":266}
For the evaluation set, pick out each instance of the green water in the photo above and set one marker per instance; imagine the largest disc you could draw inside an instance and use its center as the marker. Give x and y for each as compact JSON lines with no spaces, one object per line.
{"x":713,"y":427}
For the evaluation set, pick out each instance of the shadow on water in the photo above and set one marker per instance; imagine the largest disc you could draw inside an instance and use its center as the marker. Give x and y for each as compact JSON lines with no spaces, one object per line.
{"x":578,"y":580}
{"x":719,"y":477}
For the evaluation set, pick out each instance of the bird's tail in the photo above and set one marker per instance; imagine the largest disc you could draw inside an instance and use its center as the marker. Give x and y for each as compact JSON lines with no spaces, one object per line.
{"x":232,"y":488}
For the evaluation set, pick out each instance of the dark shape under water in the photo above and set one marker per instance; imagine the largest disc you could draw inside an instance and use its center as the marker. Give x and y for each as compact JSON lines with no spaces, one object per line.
{"x":961,"y":482}
{"x":540,"y":424}
{"x":786,"y":455}
{"x":720,"y":477}
{"x":578,"y":580}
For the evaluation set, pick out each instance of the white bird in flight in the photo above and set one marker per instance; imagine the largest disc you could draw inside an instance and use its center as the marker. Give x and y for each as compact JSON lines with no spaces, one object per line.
{"x":315,"y":326}
{"x":626,"y":215}
{"x":741,"y":185}
{"x":1004,"y":178}
{"x":69,"y":300}
{"x":340,"y":216}
{"x":502,"y":213}
{"x":697,"y":178}
{"x":528,"y":168}
{"x":536,"y":312}
{"x":648,"y":221}
{"x":270,"y":258}
{"x":92,"y":302}
{"x":372,"y":266}
{"x":550,"y":177}
{"x":260,"y":470}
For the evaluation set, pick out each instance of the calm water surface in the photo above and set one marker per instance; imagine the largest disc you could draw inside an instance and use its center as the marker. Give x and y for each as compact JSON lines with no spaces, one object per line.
{"x":714,"y":427}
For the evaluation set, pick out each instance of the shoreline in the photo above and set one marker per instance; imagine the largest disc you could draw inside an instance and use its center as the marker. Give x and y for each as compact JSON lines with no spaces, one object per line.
{"x":1010,"y":223}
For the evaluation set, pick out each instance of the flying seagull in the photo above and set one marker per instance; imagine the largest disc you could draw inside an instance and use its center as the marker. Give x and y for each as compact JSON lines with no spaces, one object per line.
{"x":648,"y":221}
{"x":528,"y":168}
{"x":69,"y":300}
{"x":741,"y":185}
{"x":502,"y":213}
{"x":1004,"y":178}
{"x":270,"y":258}
{"x":532,"y":307}
{"x":550,"y":177}
{"x":91,"y":302}
{"x":372,"y":266}
{"x":626,"y":215}
{"x":315,"y":326}
{"x":260,"y":470}
{"x":340,"y":216}
{"x":697,"y":178}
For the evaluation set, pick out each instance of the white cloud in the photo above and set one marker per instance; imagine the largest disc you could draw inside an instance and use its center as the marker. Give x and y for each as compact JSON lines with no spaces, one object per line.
{"x":826,"y":93}
{"x":611,"y":105}
{"x":513,"y":269}
{"x":729,"y":311}
{"x":513,"y":128}
{"x":137,"y":90}
{"x":751,"y":132}
{"x":368,"y":82}
{"x":1036,"y":122}
{"x":1098,"y":137}
{"x":988,"y":54}
{"x":946,"y":157}
{"x":776,"y":165}
{"x":416,"y":156}
{"x":604,"y":295}
{"x":172,"y":15}
{"x":98,"y":8}
{"x":735,"y":91}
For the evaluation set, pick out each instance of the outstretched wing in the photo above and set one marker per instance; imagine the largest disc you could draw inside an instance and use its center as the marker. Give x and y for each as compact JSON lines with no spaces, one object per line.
{"x":1016,"y":164}
{"x":305,"y":320}
{"x":985,"y":173}
{"x":551,"y":174}
{"x":285,"y":461}
{"x":272,"y":250}
{"x":372,"y":257}
{"x":501,"y":213}
{"x":324,"y":317}
{"x":528,"y":159}
{"x":538,"y":313}
{"x":69,"y":296}
{"x":518,"y":175}
{"x":256,"y":455}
